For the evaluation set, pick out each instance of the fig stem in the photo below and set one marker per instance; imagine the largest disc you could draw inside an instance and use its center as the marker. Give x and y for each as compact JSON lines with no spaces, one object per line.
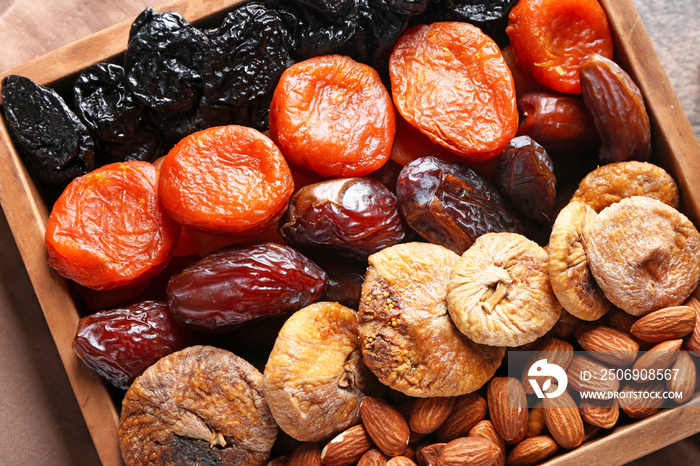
{"x":501,"y":291}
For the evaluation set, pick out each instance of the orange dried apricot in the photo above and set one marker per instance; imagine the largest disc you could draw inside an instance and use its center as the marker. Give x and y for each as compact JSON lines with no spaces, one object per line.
{"x":333,"y":115}
{"x":550,"y":38}
{"x":450,"y":80}
{"x":108,"y":229}
{"x":225,"y":180}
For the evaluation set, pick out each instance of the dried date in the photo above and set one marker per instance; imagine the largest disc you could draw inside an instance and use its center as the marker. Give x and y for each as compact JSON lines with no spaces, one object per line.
{"x":449,"y":204}
{"x":524,"y":175}
{"x":240,"y":283}
{"x":352,"y":216}
{"x":120,"y":343}
{"x":51,"y":140}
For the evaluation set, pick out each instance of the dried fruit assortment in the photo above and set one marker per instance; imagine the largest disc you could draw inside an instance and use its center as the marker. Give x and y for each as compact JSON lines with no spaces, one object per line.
{"x":458,"y":189}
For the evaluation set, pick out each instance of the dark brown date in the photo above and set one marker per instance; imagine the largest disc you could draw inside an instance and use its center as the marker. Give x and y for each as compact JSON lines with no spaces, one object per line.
{"x":120,"y":343}
{"x":353,"y":216}
{"x":448,"y":203}
{"x":239,"y":283}
{"x":524,"y":175}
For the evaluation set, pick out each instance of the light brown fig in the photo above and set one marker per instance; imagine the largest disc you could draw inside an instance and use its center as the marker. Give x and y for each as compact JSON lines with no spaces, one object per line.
{"x":643,"y":254}
{"x":314,"y":379}
{"x":499,"y":292}
{"x":571,"y":278}
{"x":201,"y":404}
{"x":613,"y":182}
{"x":408,"y":338}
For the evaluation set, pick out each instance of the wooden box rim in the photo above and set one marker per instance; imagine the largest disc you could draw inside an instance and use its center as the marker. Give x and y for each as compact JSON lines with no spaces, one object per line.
{"x":675,"y":145}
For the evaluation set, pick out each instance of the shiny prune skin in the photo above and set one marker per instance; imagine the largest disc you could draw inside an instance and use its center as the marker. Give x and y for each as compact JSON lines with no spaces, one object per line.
{"x":240,"y":283}
{"x":163,"y":61}
{"x":49,"y":137}
{"x":448,"y":203}
{"x":355,"y":217}
{"x":175,"y":126}
{"x":524,"y":174}
{"x":120,"y":343}
{"x":245,"y":58}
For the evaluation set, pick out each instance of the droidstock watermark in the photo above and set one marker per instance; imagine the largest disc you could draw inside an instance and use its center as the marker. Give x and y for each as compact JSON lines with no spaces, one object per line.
{"x":651,"y":378}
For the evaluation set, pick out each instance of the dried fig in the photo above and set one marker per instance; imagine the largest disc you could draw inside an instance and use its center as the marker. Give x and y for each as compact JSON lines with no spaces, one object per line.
{"x":643,"y":254}
{"x":200,"y":405}
{"x":314,"y":378}
{"x":618,"y":110}
{"x":613,"y":182}
{"x":499,"y":292}
{"x":408,"y":338}
{"x":569,"y":274}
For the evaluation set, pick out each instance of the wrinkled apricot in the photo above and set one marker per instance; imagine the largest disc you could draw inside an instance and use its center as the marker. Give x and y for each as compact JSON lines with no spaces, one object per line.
{"x":550,"y":38}
{"x":333,"y":115}
{"x":225,"y":180}
{"x":450,"y":80}
{"x":108,"y":229}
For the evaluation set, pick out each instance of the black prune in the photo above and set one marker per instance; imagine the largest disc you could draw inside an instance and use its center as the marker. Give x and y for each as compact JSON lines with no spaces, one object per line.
{"x":480,"y":11}
{"x":51,"y":140}
{"x":330,"y":7}
{"x":448,"y":203}
{"x":355,"y":217}
{"x":312,"y":32}
{"x":524,"y":175}
{"x":120,"y":343}
{"x":239,"y":283}
{"x":246,"y":57}
{"x":163,"y":61}
{"x":146,"y":144}
{"x":176,"y":126}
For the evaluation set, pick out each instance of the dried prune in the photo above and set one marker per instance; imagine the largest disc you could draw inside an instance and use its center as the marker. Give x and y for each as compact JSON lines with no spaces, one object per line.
{"x":205,"y":114}
{"x":408,"y":339}
{"x":524,"y":175}
{"x":200,"y":405}
{"x":120,"y":343}
{"x":314,"y":379}
{"x":353,"y":216}
{"x":449,"y":204}
{"x":313,"y":32}
{"x":163,"y":61}
{"x":239,"y":283}
{"x":245,"y":58}
{"x":51,"y":140}
{"x":480,"y":11}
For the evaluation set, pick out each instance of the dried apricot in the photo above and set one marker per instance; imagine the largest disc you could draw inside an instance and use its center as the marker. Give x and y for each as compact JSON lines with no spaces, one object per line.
{"x":499,"y":292}
{"x":450,"y":80}
{"x":643,"y":254}
{"x":225,"y":179}
{"x":408,"y":339}
{"x":314,"y":379}
{"x":200,"y":405}
{"x":550,"y":38}
{"x":333,"y":115}
{"x":108,"y":229}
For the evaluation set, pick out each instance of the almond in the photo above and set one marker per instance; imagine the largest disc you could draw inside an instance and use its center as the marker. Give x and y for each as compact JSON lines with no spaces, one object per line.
{"x":555,"y":351}
{"x":508,"y":408}
{"x":306,"y":454}
{"x":658,"y":358}
{"x":427,"y":454}
{"x":385,"y":425}
{"x":467,"y":411}
{"x":664,"y":324}
{"x":692,"y":341}
{"x":532,"y":451}
{"x":622,"y":321}
{"x":474,"y":451}
{"x":401,"y":461}
{"x":486,"y":430}
{"x":373,"y":457}
{"x":607,"y":344}
{"x":600,"y":413}
{"x":588,"y":375}
{"x":347,"y":447}
{"x":535,"y":424}
{"x":639,"y":401}
{"x":564,"y":420}
{"x":429,"y":413}
{"x":682,"y":377}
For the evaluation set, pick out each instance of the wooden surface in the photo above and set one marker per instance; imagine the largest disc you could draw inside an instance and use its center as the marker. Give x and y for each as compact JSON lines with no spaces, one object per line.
{"x":674,"y":142}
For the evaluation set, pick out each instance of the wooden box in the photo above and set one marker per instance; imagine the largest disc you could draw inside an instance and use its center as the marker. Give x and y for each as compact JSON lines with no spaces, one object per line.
{"x":675,"y":146}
